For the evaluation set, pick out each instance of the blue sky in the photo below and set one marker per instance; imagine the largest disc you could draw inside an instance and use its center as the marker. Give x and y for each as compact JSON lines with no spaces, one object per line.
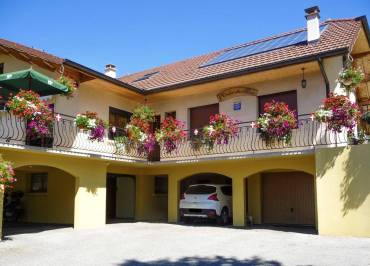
{"x":136,"y":35}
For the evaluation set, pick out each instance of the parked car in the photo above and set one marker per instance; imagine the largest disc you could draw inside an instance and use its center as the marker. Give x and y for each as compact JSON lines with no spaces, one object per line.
{"x":207,"y":201}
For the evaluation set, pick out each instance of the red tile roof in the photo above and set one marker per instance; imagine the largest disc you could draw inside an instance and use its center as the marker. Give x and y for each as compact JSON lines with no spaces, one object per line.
{"x":31,"y":51}
{"x":339,"y":34}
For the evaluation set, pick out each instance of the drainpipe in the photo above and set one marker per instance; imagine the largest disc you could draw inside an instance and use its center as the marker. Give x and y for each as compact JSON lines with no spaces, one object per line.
{"x":323,"y":73}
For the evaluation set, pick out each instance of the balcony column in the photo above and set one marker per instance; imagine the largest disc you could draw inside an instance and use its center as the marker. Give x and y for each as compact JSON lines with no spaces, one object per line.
{"x":173,"y":199}
{"x":238,"y":201}
{"x":90,"y":199}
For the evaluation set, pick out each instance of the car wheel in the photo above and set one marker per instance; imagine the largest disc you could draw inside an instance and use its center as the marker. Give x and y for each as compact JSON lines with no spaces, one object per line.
{"x":223,"y":219}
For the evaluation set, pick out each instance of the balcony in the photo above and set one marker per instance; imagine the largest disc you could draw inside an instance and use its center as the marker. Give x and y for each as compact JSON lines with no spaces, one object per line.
{"x":68,"y":139}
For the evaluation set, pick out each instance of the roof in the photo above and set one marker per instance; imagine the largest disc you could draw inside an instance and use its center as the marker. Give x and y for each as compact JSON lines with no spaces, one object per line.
{"x":31,"y":51}
{"x":338,"y":37}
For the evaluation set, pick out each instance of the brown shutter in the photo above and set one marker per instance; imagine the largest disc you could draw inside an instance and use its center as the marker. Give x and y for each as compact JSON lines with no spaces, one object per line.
{"x":199,"y":116}
{"x":289,"y":97}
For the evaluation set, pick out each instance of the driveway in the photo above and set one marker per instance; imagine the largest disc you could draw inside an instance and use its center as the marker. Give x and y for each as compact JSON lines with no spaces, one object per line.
{"x":168,"y":244}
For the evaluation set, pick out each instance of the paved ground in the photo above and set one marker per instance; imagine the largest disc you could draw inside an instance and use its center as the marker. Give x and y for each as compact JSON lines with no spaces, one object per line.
{"x":166,"y":244}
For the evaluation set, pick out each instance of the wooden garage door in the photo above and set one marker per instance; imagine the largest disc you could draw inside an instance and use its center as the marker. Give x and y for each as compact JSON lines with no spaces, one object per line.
{"x":199,"y":116}
{"x":288,"y":198}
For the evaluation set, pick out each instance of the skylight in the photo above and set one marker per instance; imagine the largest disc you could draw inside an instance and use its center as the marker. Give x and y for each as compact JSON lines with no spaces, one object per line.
{"x":146,"y":76}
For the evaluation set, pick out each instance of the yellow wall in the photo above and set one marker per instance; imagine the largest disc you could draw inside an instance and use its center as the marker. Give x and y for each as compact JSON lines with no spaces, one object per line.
{"x":343,"y":190}
{"x":90,"y":181}
{"x":149,"y":206}
{"x":254,"y":197}
{"x":54,"y":206}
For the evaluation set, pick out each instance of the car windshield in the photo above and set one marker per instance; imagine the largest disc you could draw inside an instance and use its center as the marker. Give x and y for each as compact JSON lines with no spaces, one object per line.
{"x":201,"y":189}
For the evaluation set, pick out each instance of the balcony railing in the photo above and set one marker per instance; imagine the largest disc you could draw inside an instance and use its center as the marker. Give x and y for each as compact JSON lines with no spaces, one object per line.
{"x":248,"y":141}
{"x":67,"y":137}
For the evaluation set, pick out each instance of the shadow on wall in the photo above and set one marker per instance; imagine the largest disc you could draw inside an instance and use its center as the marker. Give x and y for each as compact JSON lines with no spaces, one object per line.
{"x":323,"y":166}
{"x":219,"y":260}
{"x":355,"y":186}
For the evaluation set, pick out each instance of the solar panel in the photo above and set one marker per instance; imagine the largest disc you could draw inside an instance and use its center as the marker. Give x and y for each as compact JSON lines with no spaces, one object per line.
{"x":264,"y":46}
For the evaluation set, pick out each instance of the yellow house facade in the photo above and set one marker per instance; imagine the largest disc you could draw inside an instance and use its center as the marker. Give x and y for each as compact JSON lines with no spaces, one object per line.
{"x":319,"y":180}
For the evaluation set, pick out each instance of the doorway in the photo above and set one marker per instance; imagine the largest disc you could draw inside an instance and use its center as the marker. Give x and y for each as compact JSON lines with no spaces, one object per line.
{"x":121,"y":194}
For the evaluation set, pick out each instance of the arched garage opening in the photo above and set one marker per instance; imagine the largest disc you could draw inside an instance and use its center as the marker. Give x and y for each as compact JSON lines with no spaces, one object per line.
{"x":280,"y":198}
{"x":199,"y":191}
{"x":46,"y":198}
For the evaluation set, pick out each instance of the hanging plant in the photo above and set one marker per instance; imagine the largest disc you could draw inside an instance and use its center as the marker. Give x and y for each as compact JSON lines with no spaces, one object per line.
{"x":338,"y":112}
{"x":170,"y":134}
{"x":6,"y":174}
{"x":277,"y":122}
{"x":139,"y":130}
{"x":350,"y":78}
{"x":70,"y":85}
{"x":29,"y":106}
{"x":91,"y":121}
{"x":220,"y":130}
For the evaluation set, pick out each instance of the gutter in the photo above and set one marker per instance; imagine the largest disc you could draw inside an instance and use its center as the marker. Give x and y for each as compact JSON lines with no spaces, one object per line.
{"x":294,"y":61}
{"x":97,"y":74}
{"x":323,"y":73}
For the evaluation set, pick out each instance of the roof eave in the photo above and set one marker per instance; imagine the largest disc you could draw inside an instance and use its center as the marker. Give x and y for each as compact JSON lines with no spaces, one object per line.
{"x":237,"y":73}
{"x":97,"y":74}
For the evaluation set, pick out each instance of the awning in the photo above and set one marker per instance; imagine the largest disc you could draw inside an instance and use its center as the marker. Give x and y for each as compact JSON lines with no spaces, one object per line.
{"x":29,"y":80}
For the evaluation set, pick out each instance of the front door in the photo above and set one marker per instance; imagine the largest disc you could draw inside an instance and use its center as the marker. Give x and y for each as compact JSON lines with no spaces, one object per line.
{"x":120,"y":200}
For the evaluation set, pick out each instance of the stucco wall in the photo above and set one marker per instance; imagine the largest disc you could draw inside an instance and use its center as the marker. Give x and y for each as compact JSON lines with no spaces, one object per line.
{"x":308,"y":99}
{"x":54,"y":206}
{"x":254,"y":197}
{"x":343,"y":190}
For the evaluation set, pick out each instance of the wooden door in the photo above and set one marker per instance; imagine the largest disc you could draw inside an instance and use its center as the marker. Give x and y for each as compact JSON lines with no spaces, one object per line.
{"x":288,"y":198}
{"x":111,"y":197}
{"x":199,"y":116}
{"x":289,"y":97}
{"x":125,"y":197}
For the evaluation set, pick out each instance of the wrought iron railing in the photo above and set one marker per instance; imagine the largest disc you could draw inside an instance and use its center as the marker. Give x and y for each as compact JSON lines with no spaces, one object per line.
{"x":307,"y":135}
{"x":67,"y":137}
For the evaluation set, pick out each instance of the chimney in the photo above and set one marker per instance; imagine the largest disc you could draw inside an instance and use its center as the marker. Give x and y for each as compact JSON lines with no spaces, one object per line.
{"x":313,"y":23}
{"x":110,"y":70}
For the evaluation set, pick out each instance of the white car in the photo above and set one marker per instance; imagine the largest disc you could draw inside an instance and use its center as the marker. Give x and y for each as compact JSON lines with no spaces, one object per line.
{"x":207,"y":201}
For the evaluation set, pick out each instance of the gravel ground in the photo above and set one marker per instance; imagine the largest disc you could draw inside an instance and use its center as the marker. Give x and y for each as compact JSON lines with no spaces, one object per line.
{"x":168,"y":244}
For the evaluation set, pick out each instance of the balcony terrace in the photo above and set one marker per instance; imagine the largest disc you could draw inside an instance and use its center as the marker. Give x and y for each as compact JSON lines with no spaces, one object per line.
{"x":68,"y":139}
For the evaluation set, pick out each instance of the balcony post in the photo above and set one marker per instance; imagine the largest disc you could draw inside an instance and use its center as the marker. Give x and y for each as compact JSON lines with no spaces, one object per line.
{"x":238,"y":201}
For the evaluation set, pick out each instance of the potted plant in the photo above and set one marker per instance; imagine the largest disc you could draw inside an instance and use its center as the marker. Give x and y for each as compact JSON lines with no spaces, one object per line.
{"x":170,"y":134}
{"x":69,"y":84}
{"x":338,"y":112}
{"x":350,"y":78}
{"x":89,"y":121}
{"x":139,"y":129}
{"x":277,"y":122}
{"x":220,"y":130}
{"x":6,"y":174}
{"x":36,"y":113}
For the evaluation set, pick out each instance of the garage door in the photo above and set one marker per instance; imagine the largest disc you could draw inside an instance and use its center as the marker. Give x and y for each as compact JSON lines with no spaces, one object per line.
{"x":288,"y":198}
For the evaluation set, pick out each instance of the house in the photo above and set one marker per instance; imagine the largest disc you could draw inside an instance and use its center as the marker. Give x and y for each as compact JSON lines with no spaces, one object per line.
{"x":318,"y":180}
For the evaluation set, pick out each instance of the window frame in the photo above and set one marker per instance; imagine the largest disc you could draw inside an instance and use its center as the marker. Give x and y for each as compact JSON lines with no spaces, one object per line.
{"x":44,"y":179}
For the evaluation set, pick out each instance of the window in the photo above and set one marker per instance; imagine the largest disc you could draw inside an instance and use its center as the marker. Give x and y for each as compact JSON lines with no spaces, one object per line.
{"x":200,"y":190}
{"x":118,"y":119}
{"x":167,"y":114}
{"x":161,"y":185}
{"x":39,"y":182}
